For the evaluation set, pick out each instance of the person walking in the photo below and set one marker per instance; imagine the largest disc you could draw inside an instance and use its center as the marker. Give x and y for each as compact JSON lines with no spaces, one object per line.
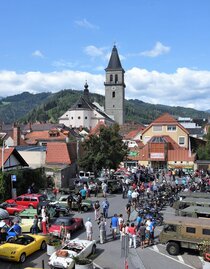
{"x":142,"y":230}
{"x":89,"y":229}
{"x":96,"y":207}
{"x":128,"y":210}
{"x":132,"y":235}
{"x":104,"y":188}
{"x":79,"y":202}
{"x":70,"y":200}
{"x":114,"y":225}
{"x":105,"y":206}
{"x":35,"y":228}
{"x":102,"y":230}
{"x":44,"y":220}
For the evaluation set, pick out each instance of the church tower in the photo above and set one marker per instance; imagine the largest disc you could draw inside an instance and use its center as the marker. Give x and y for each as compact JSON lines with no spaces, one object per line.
{"x":115,"y":88}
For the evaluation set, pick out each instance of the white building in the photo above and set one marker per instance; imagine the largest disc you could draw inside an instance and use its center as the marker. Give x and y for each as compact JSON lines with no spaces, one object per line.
{"x":84,"y":113}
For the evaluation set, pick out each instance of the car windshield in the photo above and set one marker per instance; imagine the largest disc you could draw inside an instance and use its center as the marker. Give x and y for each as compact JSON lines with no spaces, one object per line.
{"x":65,"y":221}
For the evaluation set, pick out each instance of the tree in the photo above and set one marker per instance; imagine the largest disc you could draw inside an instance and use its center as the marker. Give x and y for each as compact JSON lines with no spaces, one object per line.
{"x":203,"y":152}
{"x":105,"y":150}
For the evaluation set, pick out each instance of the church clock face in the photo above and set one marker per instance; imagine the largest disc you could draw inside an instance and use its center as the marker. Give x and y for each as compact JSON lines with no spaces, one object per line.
{"x":113,"y":88}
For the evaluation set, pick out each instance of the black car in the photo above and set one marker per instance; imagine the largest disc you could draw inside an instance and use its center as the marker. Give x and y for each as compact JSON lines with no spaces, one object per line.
{"x":114,"y":186}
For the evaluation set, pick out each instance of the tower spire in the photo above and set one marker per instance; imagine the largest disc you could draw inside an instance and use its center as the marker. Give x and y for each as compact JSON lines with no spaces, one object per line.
{"x":114,"y":61}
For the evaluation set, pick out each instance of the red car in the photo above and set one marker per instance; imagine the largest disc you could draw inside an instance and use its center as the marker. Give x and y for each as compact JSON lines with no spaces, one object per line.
{"x":71,"y":225}
{"x":13,"y":209}
{"x":28,"y":200}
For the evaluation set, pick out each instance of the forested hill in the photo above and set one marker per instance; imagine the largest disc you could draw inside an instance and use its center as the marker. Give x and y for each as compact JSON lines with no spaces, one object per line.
{"x":27,"y":107}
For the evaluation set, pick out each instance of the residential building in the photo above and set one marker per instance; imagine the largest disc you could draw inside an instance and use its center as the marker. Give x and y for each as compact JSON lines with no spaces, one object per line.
{"x":166,"y":145}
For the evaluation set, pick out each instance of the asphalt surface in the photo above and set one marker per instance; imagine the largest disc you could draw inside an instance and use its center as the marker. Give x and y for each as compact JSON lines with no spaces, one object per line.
{"x":109,"y":256}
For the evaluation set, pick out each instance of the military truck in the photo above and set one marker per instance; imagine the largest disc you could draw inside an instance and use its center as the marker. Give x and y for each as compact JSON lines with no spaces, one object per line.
{"x":183,"y":232}
{"x":195,"y":212}
{"x":190,"y":201}
{"x":184,"y":194}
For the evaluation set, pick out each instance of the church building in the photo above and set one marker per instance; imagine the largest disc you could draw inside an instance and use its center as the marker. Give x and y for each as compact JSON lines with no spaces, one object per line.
{"x":88,"y":115}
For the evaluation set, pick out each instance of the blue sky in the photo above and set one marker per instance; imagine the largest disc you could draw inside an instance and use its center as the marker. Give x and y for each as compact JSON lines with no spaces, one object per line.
{"x":49,"y":45}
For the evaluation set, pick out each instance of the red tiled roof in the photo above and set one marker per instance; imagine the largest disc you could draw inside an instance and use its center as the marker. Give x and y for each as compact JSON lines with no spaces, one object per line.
{"x":180,"y":155}
{"x":44,"y":135}
{"x":57,"y":153}
{"x":96,"y":129}
{"x":134,"y":133}
{"x":7,"y":153}
{"x":165,"y":119}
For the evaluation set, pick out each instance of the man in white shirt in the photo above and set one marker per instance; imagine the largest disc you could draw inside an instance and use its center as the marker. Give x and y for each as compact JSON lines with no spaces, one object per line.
{"x":89,"y":229}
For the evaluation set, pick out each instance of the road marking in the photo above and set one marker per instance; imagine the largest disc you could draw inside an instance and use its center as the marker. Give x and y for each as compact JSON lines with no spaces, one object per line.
{"x":204,"y":263}
{"x":169,"y":257}
{"x":180,"y":258}
{"x":156,"y":248}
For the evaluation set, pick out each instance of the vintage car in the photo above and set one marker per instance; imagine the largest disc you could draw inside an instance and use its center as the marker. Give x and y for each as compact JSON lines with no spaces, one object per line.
{"x":86,"y":204}
{"x":71,"y":225}
{"x":13,"y":209}
{"x":63,"y":258}
{"x":22,"y":246}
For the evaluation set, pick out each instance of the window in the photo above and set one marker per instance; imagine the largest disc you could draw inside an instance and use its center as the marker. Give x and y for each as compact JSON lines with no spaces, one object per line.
{"x":19,"y":199}
{"x":86,"y":117}
{"x":26,"y":199}
{"x":171,"y":128}
{"x":72,"y":118}
{"x":157,"y":128}
{"x":66,"y":115}
{"x":34,"y":199}
{"x":79,"y":118}
{"x":111,"y":77}
{"x":79,"y":105}
{"x":181,"y":140}
{"x":206,"y":231}
{"x":113,"y":105}
{"x":113,"y":94}
{"x":116,"y":78}
{"x":190,"y":230}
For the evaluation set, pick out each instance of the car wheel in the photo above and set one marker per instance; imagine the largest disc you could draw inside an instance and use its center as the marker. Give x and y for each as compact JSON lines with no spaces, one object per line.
{"x":43,"y":245}
{"x":31,"y":207}
{"x":93,"y":249}
{"x":85,"y":208}
{"x":173,"y":248}
{"x":22,"y":258}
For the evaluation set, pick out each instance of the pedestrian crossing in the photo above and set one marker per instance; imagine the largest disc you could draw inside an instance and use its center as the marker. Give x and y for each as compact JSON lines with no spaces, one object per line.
{"x":192,"y":261}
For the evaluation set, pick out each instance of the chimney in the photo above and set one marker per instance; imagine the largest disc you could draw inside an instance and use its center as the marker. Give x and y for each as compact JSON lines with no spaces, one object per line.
{"x":16,"y":135}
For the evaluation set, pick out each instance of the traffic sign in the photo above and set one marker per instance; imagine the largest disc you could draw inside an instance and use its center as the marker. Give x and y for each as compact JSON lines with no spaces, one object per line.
{"x":13,"y":178}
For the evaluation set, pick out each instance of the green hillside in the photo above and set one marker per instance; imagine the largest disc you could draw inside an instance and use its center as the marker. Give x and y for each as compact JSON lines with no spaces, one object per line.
{"x":27,"y":107}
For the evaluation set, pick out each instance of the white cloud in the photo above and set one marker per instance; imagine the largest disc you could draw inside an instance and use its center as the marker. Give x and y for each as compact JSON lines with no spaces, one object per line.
{"x":86,"y":24}
{"x":185,"y":87}
{"x":93,"y":51}
{"x":38,"y":53}
{"x":158,"y":50}
{"x":63,"y":64}
{"x":103,"y":53}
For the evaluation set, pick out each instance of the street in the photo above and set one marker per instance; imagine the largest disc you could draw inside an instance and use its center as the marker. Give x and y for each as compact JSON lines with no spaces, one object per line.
{"x":108,"y":255}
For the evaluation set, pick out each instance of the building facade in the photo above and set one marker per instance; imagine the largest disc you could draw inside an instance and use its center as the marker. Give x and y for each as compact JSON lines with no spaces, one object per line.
{"x":115,"y":88}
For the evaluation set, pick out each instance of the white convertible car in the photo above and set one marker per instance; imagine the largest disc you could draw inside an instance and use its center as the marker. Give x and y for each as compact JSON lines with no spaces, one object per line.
{"x":63,"y":258}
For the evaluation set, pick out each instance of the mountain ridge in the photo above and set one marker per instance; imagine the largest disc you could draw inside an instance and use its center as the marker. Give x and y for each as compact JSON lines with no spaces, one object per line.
{"x":48,"y":107}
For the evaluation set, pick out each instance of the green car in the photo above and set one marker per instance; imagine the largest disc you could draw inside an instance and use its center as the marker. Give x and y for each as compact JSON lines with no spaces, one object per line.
{"x":86,"y":204}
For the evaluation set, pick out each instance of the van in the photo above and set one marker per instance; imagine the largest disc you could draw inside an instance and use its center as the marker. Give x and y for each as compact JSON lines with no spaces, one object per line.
{"x":195,"y":212}
{"x":183,"y":232}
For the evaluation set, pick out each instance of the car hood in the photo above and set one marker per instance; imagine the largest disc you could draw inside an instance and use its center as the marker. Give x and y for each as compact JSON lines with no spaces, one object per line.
{"x":89,"y":202}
